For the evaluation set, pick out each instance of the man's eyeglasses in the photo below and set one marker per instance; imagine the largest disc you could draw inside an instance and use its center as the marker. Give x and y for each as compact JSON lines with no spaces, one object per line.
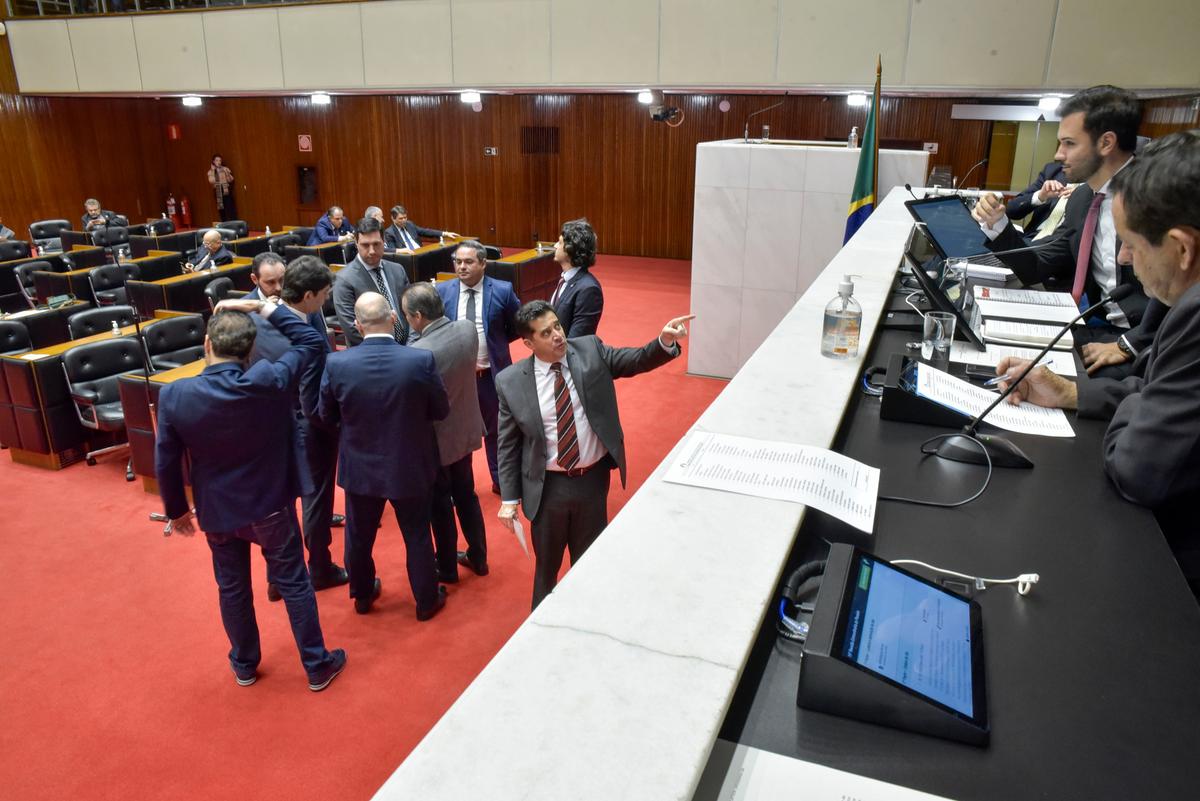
{"x":463,"y":261}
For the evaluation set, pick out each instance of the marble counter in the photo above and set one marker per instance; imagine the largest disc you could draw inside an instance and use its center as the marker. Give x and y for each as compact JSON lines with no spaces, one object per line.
{"x":767,"y":220}
{"x":616,"y":686}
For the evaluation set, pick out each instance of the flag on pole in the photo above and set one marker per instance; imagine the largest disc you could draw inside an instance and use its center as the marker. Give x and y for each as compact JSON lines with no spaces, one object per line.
{"x":866,"y":180}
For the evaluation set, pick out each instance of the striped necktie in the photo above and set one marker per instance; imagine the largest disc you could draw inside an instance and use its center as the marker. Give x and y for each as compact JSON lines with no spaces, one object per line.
{"x":397,"y":329}
{"x":568,"y":441}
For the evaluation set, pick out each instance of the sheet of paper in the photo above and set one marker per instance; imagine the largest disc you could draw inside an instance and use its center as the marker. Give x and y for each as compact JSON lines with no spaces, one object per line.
{"x":988,"y":272}
{"x":1013,"y":333}
{"x":1026,"y":311}
{"x":965,"y":353}
{"x":969,"y":399}
{"x":33,"y":357}
{"x":519,"y":530}
{"x":822,"y":479}
{"x":755,"y":775}
{"x":1036,"y":297}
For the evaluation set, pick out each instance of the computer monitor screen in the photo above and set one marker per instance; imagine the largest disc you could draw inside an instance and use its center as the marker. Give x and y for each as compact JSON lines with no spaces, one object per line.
{"x":951,"y":227}
{"x":913,"y":634}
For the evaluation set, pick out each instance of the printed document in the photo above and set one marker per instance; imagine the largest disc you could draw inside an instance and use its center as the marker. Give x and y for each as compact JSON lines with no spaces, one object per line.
{"x":965,"y":353}
{"x":822,"y":479}
{"x":969,"y":399}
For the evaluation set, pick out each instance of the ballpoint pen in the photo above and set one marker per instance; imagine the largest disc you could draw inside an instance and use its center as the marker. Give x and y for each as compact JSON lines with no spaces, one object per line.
{"x":992,"y":382}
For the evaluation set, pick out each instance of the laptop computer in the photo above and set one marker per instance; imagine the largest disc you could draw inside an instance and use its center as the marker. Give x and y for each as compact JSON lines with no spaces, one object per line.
{"x":953,"y":232}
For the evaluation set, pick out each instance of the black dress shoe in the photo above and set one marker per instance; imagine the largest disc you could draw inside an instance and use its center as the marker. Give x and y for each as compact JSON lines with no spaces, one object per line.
{"x":332,"y":576}
{"x":337,"y":521}
{"x":363,"y":605}
{"x":273,"y":593}
{"x":448,"y":578}
{"x":465,"y":561}
{"x":425,"y":614}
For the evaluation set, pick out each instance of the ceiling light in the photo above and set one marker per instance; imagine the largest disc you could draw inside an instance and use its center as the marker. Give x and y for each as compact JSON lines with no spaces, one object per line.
{"x":470,"y":97}
{"x":191,"y":101}
{"x":856,"y":99}
{"x":1049,"y":102}
{"x":321,"y":99}
{"x":645,"y":97}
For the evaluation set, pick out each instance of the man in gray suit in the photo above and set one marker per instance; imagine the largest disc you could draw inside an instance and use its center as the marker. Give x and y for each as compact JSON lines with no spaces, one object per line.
{"x":369,"y":272}
{"x":455,"y":346}
{"x":559,"y":422}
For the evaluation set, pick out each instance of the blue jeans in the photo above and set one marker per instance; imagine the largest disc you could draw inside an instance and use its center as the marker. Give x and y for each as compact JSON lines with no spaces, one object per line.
{"x":276,"y":536}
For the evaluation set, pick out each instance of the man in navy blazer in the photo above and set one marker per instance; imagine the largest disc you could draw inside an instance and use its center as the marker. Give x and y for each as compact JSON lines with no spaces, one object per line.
{"x":305,"y":284}
{"x":332,"y":227}
{"x":235,"y":425}
{"x":1038,"y":199}
{"x":405,"y":235}
{"x":495,"y":312}
{"x":577,"y":300}
{"x":211,"y":253}
{"x":387,"y":398}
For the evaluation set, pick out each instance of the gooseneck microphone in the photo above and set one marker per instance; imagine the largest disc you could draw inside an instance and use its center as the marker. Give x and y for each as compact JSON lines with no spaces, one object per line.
{"x":974,"y":167}
{"x":746,"y":129}
{"x":914,"y":194}
{"x":965,"y":446}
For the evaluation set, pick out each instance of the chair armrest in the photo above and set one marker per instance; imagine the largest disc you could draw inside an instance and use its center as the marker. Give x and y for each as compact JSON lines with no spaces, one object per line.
{"x":85,"y":396}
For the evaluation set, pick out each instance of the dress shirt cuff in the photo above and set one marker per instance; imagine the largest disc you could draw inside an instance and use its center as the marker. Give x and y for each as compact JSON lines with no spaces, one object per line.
{"x":1129,"y":345}
{"x":990,"y":232}
{"x":672,"y":350}
{"x":510,"y":503}
{"x":267,"y":309}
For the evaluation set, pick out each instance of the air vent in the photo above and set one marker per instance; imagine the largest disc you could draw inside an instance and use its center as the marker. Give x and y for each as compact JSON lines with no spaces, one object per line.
{"x":539,"y":140}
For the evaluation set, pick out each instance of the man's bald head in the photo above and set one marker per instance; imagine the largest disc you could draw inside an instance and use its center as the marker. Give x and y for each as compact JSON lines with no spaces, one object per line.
{"x":373,"y":314}
{"x":212,"y":239}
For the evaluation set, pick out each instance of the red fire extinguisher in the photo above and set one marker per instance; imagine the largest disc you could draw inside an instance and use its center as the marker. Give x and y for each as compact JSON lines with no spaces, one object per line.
{"x":172,"y":212}
{"x":185,"y":211}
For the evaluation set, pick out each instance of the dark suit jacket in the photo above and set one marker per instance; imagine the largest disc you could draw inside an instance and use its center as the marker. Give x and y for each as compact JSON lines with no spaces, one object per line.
{"x":500,"y":305}
{"x":580,"y":305}
{"x":236,"y":424}
{"x":325,"y":232}
{"x":1054,"y":266}
{"x":352,"y":281}
{"x":105,"y":215}
{"x":521,"y":450}
{"x":1022,"y":204}
{"x":455,"y":347}
{"x":271,"y":345}
{"x":392,"y":239}
{"x":222,"y":257}
{"x":387,"y":398}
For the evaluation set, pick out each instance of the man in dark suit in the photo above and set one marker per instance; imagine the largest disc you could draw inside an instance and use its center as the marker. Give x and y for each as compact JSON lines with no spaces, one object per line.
{"x":369,"y":272}
{"x":404,"y":235}
{"x":1097,"y":135}
{"x":332,"y":227}
{"x":211,"y":253}
{"x":455,"y":349}
{"x":577,"y":300}
{"x":1152,"y":446}
{"x":305,"y":285}
{"x":387,"y":398}
{"x":560,"y":433}
{"x":234,"y":424}
{"x":492,"y":305}
{"x":94,"y":217}
{"x":1037,"y":200}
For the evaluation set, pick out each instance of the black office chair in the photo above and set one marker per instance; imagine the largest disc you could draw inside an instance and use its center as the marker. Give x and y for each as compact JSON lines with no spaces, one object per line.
{"x":226,"y":234}
{"x":174,"y":341}
{"x":118,"y":220}
{"x":97,"y":321}
{"x":45,"y":234}
{"x":108,"y":282}
{"x":14,"y":338}
{"x":337,"y":336}
{"x":217,"y":289}
{"x":113,"y":238}
{"x":303,"y":234}
{"x":161,"y":227}
{"x":92,"y":371}
{"x":14,"y":249}
{"x":493,"y":253}
{"x":240,"y":228}
{"x":279,"y":242}
{"x":24,"y":273}
{"x":139,"y":230}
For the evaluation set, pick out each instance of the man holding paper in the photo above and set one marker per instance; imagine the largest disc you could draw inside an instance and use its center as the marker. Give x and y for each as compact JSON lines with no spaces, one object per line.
{"x":1152,"y":446}
{"x":560,"y":433}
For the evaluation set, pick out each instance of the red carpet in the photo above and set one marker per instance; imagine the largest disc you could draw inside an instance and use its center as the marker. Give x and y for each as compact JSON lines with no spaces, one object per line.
{"x":115,"y":683}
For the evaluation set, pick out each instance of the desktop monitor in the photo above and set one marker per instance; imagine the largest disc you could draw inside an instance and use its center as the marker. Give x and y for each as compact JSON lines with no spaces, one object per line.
{"x":952,"y":230}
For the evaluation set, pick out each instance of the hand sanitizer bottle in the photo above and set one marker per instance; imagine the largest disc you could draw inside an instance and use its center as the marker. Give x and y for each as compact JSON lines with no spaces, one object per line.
{"x":852,"y":139}
{"x":116,"y":329}
{"x":843,"y":320}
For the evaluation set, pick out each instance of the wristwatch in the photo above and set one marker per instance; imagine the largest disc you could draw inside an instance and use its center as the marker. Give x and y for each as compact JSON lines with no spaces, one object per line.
{"x":1124,"y":346}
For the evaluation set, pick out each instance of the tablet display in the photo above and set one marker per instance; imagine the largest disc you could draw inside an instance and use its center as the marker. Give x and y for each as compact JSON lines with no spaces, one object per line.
{"x":953,"y":230}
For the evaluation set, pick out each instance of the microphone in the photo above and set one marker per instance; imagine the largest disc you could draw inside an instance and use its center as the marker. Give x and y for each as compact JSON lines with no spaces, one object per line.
{"x":914,"y":194}
{"x":746,"y":129}
{"x":975,"y":166}
{"x":964,"y":447}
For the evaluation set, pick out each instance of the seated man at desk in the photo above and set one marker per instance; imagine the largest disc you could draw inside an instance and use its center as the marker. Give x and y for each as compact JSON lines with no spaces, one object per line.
{"x":404,"y":235}
{"x":94,"y":217}
{"x":1152,"y":446}
{"x":332,"y":227}
{"x":5,"y":232}
{"x":211,"y":254}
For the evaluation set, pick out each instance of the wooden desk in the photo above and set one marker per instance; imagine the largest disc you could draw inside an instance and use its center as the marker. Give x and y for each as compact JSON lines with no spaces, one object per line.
{"x":533,"y":273}
{"x":185,"y":292}
{"x":158,"y":264}
{"x":179,"y":242}
{"x":427,"y":261}
{"x":11,"y":297}
{"x":330,"y":252}
{"x":249,"y":246}
{"x":38,"y":422}
{"x":48,"y":326}
{"x":137,"y":395}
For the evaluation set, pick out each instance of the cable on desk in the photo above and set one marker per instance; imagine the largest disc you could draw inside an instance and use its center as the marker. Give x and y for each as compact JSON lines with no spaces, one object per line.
{"x":944,"y":504}
{"x":1024,"y":582}
{"x":908,"y":300}
{"x":804,"y":580}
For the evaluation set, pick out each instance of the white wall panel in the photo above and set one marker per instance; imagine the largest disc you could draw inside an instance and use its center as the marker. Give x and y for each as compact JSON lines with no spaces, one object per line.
{"x":243,"y":49}
{"x":614,"y":42}
{"x":41,"y":53}
{"x":979,"y":42}
{"x":171,"y":52}
{"x":499,"y":42}
{"x":714,"y":42}
{"x":835,"y":42}
{"x":407,"y":43}
{"x":106,"y":58}
{"x":322,"y":46}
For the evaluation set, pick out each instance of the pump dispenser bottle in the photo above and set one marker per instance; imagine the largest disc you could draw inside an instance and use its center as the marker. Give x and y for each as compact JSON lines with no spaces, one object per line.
{"x":843,"y":321}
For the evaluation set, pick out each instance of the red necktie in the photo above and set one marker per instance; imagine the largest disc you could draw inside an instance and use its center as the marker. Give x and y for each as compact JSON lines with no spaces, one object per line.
{"x":568,"y":441}
{"x":557,"y":289}
{"x":1083,"y":260}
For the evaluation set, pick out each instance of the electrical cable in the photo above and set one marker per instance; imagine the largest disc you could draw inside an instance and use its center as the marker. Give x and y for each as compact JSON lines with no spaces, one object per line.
{"x":1024,"y":582}
{"x":946,"y":504}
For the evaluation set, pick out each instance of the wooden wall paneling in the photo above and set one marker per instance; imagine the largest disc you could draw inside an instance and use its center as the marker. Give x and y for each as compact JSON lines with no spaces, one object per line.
{"x":1165,"y":115}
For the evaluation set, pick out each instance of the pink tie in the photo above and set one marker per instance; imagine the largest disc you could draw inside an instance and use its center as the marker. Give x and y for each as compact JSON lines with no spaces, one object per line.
{"x":1083,"y":261}
{"x":557,"y":290}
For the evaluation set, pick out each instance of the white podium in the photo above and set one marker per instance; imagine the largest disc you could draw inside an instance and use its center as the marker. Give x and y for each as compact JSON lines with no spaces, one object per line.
{"x":768,"y":218}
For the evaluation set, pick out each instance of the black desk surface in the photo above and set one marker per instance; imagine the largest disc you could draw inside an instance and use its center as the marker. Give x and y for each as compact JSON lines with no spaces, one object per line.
{"x":1093,"y":678}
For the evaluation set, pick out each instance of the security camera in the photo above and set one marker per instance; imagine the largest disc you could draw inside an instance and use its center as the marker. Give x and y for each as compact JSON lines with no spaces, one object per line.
{"x":665,"y":114}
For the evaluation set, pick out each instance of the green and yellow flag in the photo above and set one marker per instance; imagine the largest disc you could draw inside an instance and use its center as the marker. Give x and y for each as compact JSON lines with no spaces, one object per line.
{"x":866,"y":180}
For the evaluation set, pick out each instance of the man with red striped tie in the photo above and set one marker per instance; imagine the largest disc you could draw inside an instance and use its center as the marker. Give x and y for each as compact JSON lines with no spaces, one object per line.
{"x":558,"y":417}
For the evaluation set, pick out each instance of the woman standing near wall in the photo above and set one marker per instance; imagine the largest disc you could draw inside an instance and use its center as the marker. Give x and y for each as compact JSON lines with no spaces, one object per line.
{"x":220,"y":178}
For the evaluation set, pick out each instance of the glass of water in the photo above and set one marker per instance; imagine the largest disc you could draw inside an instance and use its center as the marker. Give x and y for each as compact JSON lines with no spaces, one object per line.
{"x":937,"y":334}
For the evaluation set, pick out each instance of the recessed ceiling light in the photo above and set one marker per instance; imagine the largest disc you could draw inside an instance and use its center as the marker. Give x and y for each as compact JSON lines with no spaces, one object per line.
{"x":191,"y":101}
{"x":1049,"y":102}
{"x":470,"y":97}
{"x":321,"y":99}
{"x":856,"y":99}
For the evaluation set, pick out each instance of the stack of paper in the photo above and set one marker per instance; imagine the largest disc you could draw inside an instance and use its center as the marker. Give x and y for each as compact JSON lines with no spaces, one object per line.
{"x":1025,"y":304}
{"x":1013,"y":333}
{"x":971,"y":400}
{"x":965,"y":353}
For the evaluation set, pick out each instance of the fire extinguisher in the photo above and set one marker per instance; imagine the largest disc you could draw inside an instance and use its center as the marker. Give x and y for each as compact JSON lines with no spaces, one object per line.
{"x":172,"y":212}
{"x":185,"y":211}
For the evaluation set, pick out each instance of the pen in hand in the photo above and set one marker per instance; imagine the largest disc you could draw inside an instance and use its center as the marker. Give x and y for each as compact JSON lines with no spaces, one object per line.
{"x":994,"y":382}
